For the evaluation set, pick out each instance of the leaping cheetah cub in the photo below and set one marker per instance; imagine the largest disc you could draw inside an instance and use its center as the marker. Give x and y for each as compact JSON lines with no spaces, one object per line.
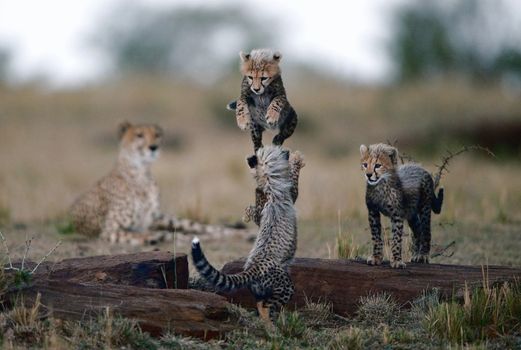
{"x":124,"y":205}
{"x":266,"y":269}
{"x":404,"y":192}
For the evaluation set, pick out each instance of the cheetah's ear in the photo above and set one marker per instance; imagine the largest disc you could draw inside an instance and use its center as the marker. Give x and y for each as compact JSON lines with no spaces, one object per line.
{"x":252,"y":161}
{"x":285,"y":154}
{"x":277,"y":56}
{"x":159,"y":130}
{"x":363,"y":150}
{"x":393,"y":155}
{"x":244,"y":56}
{"x":123,"y":127}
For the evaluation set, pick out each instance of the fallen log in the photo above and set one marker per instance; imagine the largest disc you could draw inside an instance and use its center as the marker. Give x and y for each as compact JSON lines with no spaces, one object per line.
{"x":146,"y":269}
{"x":157,"y":311}
{"x":343,"y":282}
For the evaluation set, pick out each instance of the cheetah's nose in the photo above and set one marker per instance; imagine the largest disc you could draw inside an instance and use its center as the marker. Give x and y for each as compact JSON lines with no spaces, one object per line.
{"x":369,"y":175}
{"x":153,"y":147}
{"x":256,"y":89}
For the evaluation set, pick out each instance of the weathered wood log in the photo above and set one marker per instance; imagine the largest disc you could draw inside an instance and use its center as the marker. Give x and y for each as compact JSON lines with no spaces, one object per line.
{"x":343,"y":282}
{"x":146,"y":269}
{"x":187,"y":312}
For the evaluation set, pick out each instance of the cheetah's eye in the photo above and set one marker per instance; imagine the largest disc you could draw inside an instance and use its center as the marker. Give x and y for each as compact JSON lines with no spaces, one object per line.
{"x":365,"y":165}
{"x":376,"y":166}
{"x":264,"y":78}
{"x":140,"y":135}
{"x":249,"y":77}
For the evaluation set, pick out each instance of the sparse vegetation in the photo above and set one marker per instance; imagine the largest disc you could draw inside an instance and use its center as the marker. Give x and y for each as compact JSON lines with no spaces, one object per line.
{"x":377,"y":308}
{"x":486,"y":313}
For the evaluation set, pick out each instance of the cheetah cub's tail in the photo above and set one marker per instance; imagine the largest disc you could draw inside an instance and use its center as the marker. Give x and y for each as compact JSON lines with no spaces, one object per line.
{"x":232,"y":106}
{"x":437,"y":201}
{"x":216,"y":278}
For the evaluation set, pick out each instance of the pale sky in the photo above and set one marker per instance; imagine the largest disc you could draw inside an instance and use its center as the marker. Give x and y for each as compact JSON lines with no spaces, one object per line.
{"x":49,"y":38}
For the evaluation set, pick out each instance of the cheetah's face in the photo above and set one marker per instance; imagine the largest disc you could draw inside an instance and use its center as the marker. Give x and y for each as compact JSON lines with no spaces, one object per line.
{"x":260,"y":72}
{"x":377,"y":161}
{"x":142,"y":142}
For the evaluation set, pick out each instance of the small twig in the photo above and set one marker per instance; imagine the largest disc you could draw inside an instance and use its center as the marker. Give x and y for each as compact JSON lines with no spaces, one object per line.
{"x":46,"y":256}
{"x":446,"y":159}
{"x":28,"y":243}
{"x":443,"y":250}
{"x":4,"y":242}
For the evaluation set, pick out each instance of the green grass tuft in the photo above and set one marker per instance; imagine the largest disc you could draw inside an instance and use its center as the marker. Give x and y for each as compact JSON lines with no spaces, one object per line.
{"x":486,"y":313}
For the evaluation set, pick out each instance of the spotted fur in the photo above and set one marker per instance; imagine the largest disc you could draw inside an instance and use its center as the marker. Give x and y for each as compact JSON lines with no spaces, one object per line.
{"x":263,"y":103}
{"x":253,"y":212}
{"x":123,"y":205}
{"x":266,"y":268}
{"x":401,"y":193}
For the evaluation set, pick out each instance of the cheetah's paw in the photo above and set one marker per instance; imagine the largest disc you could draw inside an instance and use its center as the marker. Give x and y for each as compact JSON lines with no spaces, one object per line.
{"x":374,"y":260}
{"x":420,"y":258}
{"x":272,"y":117}
{"x":398,"y":264}
{"x":243,"y":121}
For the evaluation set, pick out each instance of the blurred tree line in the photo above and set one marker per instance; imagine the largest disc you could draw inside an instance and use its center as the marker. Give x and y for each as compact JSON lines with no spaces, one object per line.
{"x":200,"y":43}
{"x":5,"y":60}
{"x":479,"y":39}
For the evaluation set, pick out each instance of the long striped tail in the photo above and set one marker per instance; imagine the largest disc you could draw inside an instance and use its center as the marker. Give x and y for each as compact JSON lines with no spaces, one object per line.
{"x":218,"y":279}
{"x":437,"y":201}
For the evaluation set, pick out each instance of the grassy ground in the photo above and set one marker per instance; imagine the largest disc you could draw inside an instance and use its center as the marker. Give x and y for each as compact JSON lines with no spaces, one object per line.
{"x":53,"y":145}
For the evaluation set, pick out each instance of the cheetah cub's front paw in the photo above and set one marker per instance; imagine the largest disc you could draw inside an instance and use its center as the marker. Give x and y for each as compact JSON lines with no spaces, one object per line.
{"x":272,"y":117}
{"x":243,"y":121}
{"x":374,"y":260}
{"x":420,"y":258}
{"x":249,"y":214}
{"x":398,"y":264}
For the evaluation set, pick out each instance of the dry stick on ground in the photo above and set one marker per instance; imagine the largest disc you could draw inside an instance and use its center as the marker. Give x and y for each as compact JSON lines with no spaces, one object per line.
{"x":28,"y":243}
{"x":4,"y":242}
{"x":449,"y":155}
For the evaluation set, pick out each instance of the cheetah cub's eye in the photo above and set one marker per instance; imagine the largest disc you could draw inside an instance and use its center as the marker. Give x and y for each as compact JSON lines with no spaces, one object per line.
{"x":264,"y":78}
{"x":365,"y":165}
{"x":376,"y":166}
{"x":140,"y":135}
{"x":249,"y":77}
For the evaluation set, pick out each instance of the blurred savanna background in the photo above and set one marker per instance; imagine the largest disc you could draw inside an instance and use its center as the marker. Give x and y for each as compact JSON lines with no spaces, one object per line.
{"x":427,"y":76}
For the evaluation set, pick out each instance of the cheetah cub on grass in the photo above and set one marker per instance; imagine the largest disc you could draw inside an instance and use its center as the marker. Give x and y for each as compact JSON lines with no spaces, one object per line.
{"x":263,"y":103}
{"x":266,"y":269}
{"x":404,"y":192}
{"x":124,"y":205}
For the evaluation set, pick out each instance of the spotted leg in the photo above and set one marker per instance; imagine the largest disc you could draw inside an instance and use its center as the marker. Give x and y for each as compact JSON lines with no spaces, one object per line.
{"x":376,"y":237}
{"x":396,"y":243}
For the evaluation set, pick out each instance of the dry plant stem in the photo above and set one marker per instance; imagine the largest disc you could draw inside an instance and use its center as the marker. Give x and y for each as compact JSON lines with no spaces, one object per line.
{"x":46,"y":256}
{"x":28,"y":243}
{"x":4,"y":242}
{"x":447,"y":158}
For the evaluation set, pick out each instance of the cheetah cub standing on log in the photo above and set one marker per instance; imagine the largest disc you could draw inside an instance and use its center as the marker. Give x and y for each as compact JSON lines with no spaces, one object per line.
{"x":263,"y":103}
{"x":124,"y":205}
{"x":266,"y":269}
{"x":401,"y":193}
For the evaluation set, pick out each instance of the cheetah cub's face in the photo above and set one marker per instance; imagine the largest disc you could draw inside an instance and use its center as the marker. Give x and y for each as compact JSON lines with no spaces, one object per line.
{"x":260,"y":67}
{"x":271,"y":163}
{"x":377,"y":161}
{"x":140,"y":142}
